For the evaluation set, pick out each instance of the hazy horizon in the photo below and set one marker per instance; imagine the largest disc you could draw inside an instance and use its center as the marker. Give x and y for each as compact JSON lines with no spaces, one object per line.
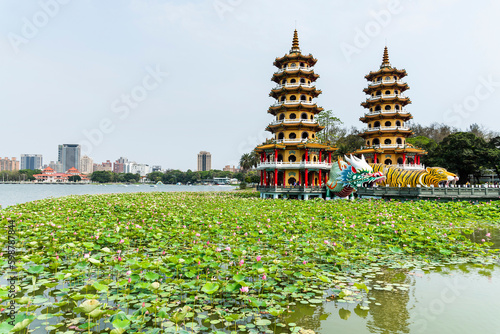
{"x":159,"y":81}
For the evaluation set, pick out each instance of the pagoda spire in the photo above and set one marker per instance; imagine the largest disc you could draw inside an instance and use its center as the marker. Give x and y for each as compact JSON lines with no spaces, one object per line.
{"x":295,"y":42}
{"x":385,"y":59}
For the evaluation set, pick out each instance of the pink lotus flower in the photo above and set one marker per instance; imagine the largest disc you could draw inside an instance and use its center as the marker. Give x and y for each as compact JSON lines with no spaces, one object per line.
{"x":488,"y":235}
{"x":129,"y":280}
{"x":119,"y":251}
{"x":244,"y":289}
{"x":143,"y":304}
{"x":326,"y":242}
{"x":86,"y":256}
{"x":258,"y":258}
{"x":264,"y":277}
{"x":241,"y":262}
{"x":197,"y":234}
{"x":228,"y":248}
{"x":218,"y":249}
{"x":304,"y":262}
{"x":122,"y":241}
{"x":129,"y":273}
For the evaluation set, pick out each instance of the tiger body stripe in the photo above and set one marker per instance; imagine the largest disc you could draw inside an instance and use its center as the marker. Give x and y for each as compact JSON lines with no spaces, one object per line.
{"x":399,"y":177}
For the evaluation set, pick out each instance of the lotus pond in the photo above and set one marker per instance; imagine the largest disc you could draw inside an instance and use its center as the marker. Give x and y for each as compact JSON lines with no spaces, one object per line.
{"x":228,"y":262}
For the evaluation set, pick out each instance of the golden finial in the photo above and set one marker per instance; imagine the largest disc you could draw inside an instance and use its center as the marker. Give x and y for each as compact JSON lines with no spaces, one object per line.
{"x":295,"y":43}
{"x":385,"y":59}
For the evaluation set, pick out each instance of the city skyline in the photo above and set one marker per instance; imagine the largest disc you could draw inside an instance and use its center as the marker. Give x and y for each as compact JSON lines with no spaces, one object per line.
{"x":129,"y":76}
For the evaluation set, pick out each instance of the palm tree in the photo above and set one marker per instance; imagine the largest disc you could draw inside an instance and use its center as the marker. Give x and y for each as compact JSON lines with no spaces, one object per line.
{"x":248,"y":161}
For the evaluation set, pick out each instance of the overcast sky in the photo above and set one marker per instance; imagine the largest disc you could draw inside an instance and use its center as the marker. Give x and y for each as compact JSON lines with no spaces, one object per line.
{"x":157,"y":81}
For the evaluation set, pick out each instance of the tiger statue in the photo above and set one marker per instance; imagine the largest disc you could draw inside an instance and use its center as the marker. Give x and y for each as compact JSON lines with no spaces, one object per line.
{"x":399,"y":177}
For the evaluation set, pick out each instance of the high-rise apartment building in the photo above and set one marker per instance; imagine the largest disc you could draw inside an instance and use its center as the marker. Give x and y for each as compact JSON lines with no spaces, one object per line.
{"x":31,"y":161}
{"x":9,"y":164}
{"x":119,"y":165}
{"x":69,"y":156}
{"x":204,"y":161}
{"x":86,"y":165}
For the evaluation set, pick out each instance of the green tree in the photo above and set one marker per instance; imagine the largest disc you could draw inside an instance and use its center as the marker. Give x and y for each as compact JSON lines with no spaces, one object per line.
{"x":155,"y":176}
{"x":349,"y":143}
{"x":74,"y":178}
{"x":102,"y":176}
{"x":333,"y":130}
{"x":463,"y":153}
{"x":28,"y":174}
{"x":494,"y":155}
{"x":248,"y":161}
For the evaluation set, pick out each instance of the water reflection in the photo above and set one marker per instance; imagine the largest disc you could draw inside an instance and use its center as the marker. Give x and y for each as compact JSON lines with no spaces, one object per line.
{"x":461,"y":298}
{"x":392,"y":316}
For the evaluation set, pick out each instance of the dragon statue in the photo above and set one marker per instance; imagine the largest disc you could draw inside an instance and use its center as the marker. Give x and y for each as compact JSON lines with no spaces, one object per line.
{"x":347,"y":176}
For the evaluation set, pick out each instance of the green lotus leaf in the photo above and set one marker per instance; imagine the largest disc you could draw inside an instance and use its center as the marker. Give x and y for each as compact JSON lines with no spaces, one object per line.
{"x":89,"y":305}
{"x":210,"y":288}
{"x":35,"y":269}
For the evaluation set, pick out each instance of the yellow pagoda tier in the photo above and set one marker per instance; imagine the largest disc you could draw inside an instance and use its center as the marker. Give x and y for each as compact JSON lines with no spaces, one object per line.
{"x":294,"y":163}
{"x":386,"y":117}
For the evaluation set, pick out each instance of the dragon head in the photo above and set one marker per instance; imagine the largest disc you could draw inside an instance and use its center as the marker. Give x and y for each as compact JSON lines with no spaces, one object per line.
{"x":357,"y":173}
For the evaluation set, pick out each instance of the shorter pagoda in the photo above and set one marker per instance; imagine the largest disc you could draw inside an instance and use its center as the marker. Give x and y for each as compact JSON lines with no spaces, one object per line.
{"x":386,"y":132}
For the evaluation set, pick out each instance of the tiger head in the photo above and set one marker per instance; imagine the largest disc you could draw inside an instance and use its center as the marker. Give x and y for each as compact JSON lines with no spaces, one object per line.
{"x":440,"y":175}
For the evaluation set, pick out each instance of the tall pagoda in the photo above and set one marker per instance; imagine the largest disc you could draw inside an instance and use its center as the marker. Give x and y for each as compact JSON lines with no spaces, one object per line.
{"x":294,"y":163}
{"x":386,"y":117}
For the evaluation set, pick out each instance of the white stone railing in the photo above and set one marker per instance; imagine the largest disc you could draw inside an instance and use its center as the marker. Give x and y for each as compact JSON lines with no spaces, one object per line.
{"x":386,"y":96}
{"x":290,"y":68}
{"x":294,"y":121}
{"x":388,"y":128}
{"x":295,"y":164}
{"x":287,"y":102}
{"x":376,"y":83}
{"x":295,"y":84}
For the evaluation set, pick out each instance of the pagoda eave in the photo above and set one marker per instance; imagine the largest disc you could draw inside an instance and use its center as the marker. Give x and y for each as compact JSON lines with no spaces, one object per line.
{"x":273,"y":110}
{"x":311,"y":127}
{"x":272,"y":146}
{"x":386,"y":71}
{"x":381,"y":116}
{"x":275,"y":93}
{"x":401,"y":86}
{"x":309,"y":59}
{"x":402,"y":101}
{"x":278,"y":76}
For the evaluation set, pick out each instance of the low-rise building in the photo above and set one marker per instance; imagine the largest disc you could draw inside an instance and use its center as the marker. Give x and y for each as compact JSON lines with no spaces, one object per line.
{"x":49,"y":175}
{"x":233,"y":169}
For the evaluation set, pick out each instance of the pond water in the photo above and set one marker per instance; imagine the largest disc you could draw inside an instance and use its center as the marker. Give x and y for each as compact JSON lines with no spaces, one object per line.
{"x":11,"y":194}
{"x":458,"y":298}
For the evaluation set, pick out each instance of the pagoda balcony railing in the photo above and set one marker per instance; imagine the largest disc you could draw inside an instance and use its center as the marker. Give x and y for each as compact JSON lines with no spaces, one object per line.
{"x":384,"y":146}
{"x":410,"y":166}
{"x":296,"y":140}
{"x":378,"y":112}
{"x":294,"y":165}
{"x":294,"y":121}
{"x":376,"y":83}
{"x":295,"y":68}
{"x":295,"y":84}
{"x":382,"y":128}
{"x":385,"y":96}
{"x":291,"y":102}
